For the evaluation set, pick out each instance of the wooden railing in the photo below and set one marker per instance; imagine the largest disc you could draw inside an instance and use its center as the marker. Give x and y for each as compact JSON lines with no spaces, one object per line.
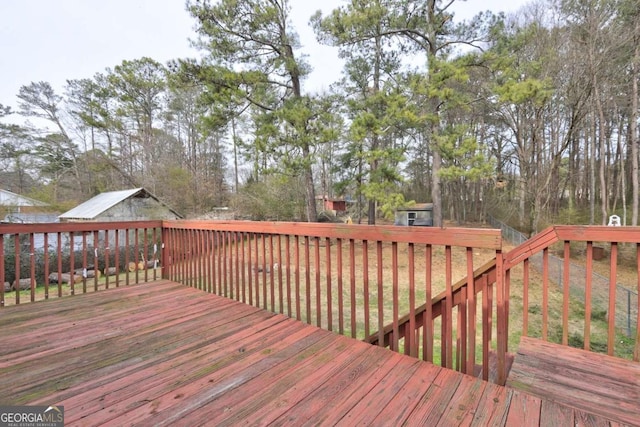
{"x":354,"y":280}
{"x":41,"y":261}
{"x":415,"y":290}
{"x":565,"y":304}
{"x":484,"y":279}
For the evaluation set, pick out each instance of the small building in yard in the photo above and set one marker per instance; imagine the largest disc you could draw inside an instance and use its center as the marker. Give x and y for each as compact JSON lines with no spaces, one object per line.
{"x":419,"y":214}
{"x":136,"y":204}
{"x":12,"y":203}
{"x":335,"y":206}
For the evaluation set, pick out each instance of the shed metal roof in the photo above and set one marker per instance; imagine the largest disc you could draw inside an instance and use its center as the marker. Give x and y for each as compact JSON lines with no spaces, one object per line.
{"x":94,"y":207}
{"x":7,"y":198}
{"x":98,"y":204}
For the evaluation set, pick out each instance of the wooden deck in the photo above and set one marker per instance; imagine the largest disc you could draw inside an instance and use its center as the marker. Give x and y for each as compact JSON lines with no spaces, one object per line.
{"x":577,"y":378}
{"x":164,"y":354}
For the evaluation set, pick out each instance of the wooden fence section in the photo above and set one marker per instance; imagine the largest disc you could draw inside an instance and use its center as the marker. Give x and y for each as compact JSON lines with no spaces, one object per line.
{"x":362,"y":281}
{"x":40,"y":261}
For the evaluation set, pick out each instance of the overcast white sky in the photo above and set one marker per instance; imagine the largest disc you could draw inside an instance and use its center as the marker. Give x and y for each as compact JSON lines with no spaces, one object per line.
{"x":57,"y":40}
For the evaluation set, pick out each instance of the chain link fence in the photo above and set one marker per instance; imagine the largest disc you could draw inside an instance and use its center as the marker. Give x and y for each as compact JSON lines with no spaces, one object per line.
{"x":626,"y":299}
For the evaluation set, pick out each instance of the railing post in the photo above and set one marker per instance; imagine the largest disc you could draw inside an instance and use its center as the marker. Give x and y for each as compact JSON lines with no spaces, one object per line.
{"x":503,"y":334}
{"x":163,"y":252}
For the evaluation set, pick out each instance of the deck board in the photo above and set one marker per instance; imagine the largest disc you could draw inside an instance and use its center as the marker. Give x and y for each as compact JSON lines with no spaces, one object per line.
{"x":164,"y":354}
{"x":592,"y":382}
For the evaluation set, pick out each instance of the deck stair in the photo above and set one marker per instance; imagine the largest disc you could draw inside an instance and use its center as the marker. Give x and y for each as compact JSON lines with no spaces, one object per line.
{"x":595,"y":383}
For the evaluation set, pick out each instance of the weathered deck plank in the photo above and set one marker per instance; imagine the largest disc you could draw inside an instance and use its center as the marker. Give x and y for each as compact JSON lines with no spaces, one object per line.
{"x":595,"y":383}
{"x":164,"y":354}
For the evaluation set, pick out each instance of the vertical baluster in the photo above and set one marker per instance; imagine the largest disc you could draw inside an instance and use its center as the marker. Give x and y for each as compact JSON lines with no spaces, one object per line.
{"x":448,"y":319}
{"x":611,"y":320}
{"x":106,"y":258}
{"x":461,"y":347}
{"x":243,"y":262}
{"x":250,"y":236}
{"x":193,"y":260}
{"x":352,"y":283}
{"x":365,"y":290}
{"x":427,"y":328}
{"x":380,"y":289}
{"x":297,"y":276}
{"x":307,"y":279}
{"x":155,"y":253}
{"x":545,"y":294}
{"x":218,"y":260}
{"x":471,"y":307}
{"x":59,"y":261}
{"x":179,"y":263}
{"x":95,"y":258}
{"x":272,"y":273}
{"x":236,"y":244}
{"x":2,"y":278}
{"x":328,"y":284}
{"x":486,"y":326}
{"x":145,"y":246}
{"x":16,"y":281}
{"x":230,"y":262}
{"x":46,"y":264}
{"x":340,"y":287}
{"x":202,"y":261}
{"x":316,"y":251}
{"x":116,"y":260}
{"x":410,"y":337}
{"x":180,"y":256}
{"x":72,"y":251}
{"x":636,"y":353}
{"x":287,"y":245}
{"x":395,"y":297}
{"x":256,"y":268}
{"x":525,"y":295}
{"x":84,"y":263}
{"x":277,"y":268}
{"x":32,"y":264}
{"x":565,"y":293}
{"x":204,"y":249}
{"x":263,"y":243}
{"x":211,"y":246}
{"x":137,"y":254}
{"x":166,"y":255}
{"x":502,"y":313}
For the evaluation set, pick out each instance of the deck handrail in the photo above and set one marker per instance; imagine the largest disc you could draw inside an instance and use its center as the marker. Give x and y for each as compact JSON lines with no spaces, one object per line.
{"x":239,"y":254}
{"x":350,"y":278}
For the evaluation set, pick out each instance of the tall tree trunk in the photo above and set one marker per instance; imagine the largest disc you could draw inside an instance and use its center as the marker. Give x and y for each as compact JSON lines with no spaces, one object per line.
{"x":602,"y":141}
{"x":592,"y":171}
{"x":235,"y":154}
{"x":436,"y":193}
{"x":633,"y":127}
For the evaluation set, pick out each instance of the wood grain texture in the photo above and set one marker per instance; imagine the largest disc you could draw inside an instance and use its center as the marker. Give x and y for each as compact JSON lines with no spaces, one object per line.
{"x":165,"y":354}
{"x":595,"y":383}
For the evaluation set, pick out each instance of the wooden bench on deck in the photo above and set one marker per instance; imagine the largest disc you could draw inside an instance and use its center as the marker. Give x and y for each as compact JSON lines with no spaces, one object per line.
{"x":596,"y":383}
